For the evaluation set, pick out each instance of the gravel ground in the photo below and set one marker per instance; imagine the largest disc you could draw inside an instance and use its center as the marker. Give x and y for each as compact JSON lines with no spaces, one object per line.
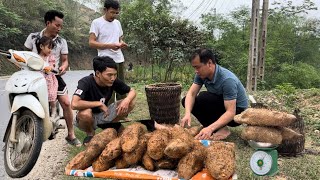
{"x":51,"y":162}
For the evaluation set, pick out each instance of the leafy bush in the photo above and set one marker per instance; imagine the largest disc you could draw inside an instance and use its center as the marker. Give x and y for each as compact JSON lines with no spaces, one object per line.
{"x":156,"y":73}
{"x":287,"y":93}
{"x":300,"y":75}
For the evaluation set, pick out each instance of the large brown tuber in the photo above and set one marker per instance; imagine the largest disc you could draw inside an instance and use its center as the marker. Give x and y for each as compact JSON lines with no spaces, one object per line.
{"x":289,"y":134}
{"x":180,"y":144}
{"x":98,"y":166}
{"x":157,"y":143}
{"x":148,"y":162}
{"x":220,"y":159}
{"x":130,"y":136}
{"x":77,"y":163}
{"x":177,"y":148}
{"x":110,"y":152}
{"x":192,"y":163}
{"x":121,"y":163}
{"x":262,"y":134}
{"x":135,"y":156}
{"x":84,"y":159}
{"x":194,"y":130}
{"x":264,"y":117}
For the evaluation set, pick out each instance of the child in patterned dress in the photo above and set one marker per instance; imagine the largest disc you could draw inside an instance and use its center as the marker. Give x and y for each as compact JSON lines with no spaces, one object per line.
{"x":44,"y":46}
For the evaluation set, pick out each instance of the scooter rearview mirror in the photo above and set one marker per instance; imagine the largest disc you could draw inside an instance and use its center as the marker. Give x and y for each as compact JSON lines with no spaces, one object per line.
{"x":27,"y":58}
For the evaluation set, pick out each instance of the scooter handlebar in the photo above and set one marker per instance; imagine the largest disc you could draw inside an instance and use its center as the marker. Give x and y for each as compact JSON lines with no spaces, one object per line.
{"x":28,"y":59}
{"x":5,"y":53}
{"x":55,"y":71}
{"x":49,"y":69}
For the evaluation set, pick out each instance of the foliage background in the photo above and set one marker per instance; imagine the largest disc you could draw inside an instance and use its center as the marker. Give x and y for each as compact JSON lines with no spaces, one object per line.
{"x":160,"y":42}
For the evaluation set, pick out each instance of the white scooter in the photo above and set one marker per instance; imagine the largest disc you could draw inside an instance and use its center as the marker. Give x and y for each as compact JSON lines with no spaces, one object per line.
{"x":30,"y":123}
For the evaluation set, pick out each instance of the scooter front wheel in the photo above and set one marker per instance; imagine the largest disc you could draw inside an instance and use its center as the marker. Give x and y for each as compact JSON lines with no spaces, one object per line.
{"x":21,"y":156}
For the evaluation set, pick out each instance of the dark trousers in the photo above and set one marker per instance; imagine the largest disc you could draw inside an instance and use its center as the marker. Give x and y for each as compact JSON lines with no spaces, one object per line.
{"x":209,"y":107}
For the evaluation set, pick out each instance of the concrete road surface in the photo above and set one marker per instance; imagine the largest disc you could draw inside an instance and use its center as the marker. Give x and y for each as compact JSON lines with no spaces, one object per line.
{"x":71,"y":78}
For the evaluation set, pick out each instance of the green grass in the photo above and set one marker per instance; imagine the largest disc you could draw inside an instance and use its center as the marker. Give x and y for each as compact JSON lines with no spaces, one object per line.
{"x":306,"y":166}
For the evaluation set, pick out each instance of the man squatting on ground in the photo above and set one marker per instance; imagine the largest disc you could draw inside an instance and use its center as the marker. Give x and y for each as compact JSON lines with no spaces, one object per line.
{"x":215,"y":108}
{"x":93,"y":94}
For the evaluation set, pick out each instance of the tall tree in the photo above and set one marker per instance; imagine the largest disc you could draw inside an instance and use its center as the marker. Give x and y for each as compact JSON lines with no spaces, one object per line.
{"x":229,"y":36}
{"x":292,"y":39}
{"x":9,"y":23}
{"x":157,"y":36}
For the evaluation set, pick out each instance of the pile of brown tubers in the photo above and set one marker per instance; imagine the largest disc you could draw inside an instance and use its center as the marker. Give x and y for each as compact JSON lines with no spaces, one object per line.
{"x":169,"y":148}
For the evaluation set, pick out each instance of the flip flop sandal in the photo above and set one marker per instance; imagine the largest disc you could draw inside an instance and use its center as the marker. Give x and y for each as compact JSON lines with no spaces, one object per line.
{"x":86,"y":140}
{"x":73,"y":142}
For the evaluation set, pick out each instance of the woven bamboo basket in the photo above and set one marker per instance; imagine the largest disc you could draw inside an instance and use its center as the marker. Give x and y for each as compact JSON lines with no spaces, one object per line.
{"x":294,"y":148}
{"x":164,"y":102}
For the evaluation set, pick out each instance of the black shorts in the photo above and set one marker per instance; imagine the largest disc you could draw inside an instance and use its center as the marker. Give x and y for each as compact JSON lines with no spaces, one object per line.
{"x":62,"y":86}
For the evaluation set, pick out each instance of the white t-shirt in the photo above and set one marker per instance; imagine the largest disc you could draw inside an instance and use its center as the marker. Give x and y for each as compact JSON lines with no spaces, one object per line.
{"x":108,"y":32}
{"x":60,"y":45}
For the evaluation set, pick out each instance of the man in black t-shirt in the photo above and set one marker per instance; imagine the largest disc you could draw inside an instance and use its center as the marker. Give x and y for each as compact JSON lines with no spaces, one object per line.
{"x":93,"y":93}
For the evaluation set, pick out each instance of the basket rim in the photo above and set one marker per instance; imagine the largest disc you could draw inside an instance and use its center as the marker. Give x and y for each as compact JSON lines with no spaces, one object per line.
{"x":163,"y":85}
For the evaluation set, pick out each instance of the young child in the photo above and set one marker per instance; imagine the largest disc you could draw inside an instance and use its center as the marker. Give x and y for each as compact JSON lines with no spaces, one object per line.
{"x":44,"y":46}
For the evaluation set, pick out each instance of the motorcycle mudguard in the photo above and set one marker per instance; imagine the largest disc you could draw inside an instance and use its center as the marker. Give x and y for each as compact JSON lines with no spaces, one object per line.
{"x":30,"y":102}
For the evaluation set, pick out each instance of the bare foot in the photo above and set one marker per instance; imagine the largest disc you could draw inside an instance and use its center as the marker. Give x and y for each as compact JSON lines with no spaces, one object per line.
{"x":221,"y":134}
{"x":159,"y":126}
